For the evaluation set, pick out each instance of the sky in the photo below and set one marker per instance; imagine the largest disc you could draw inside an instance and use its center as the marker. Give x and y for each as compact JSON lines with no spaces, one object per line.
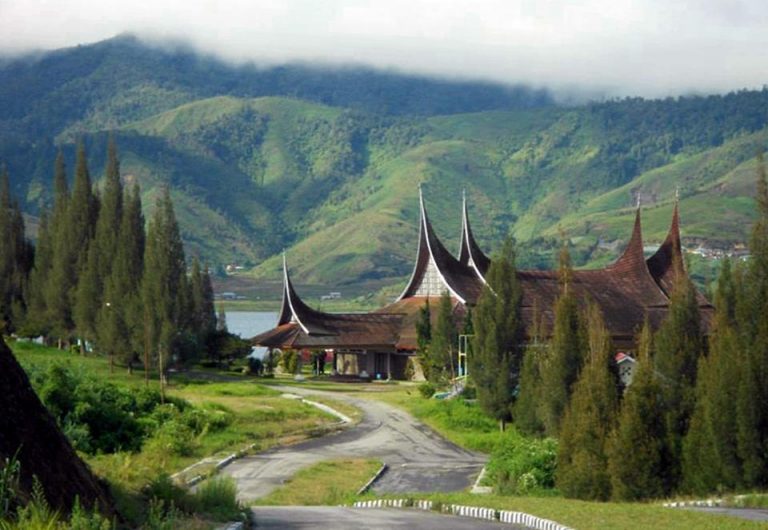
{"x":612,"y":47}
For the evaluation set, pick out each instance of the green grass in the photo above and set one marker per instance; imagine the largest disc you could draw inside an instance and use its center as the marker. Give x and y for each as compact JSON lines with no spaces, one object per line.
{"x":461,"y":422}
{"x":260,"y":416}
{"x":602,"y":516}
{"x":328,"y":483}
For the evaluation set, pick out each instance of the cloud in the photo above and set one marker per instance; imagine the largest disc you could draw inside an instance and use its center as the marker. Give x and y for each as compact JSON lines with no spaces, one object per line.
{"x":619,"y":47}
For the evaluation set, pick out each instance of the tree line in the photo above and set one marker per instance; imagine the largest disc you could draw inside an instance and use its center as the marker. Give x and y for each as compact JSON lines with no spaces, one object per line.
{"x":692,"y":420}
{"x":101,"y":277}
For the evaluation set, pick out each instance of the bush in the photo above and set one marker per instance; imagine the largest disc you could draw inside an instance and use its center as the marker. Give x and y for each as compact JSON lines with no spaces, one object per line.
{"x":427,"y":389}
{"x":289,"y":362}
{"x":164,"y":490}
{"x":255,"y":366}
{"x":521,"y":465}
{"x":172,"y":438}
{"x":217,"y":497}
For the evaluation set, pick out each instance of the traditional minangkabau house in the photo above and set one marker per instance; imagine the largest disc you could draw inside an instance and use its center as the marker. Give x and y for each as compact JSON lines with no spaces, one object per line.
{"x":378,"y":344}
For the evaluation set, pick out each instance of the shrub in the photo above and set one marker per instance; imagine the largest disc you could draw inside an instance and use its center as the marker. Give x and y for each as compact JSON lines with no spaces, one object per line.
{"x":521,"y":465}
{"x":217,"y":497}
{"x":82,"y":519}
{"x":289,"y":362}
{"x":165,"y":490}
{"x":255,"y":366}
{"x":10,"y":471}
{"x":172,"y":437}
{"x":427,"y":389}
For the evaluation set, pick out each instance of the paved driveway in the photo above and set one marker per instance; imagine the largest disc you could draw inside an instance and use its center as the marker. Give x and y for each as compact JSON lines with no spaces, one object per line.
{"x":338,"y":518}
{"x":419,"y":459}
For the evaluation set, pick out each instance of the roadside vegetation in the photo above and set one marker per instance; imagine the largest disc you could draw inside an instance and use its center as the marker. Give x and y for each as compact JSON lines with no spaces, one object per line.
{"x":327,"y":483}
{"x":136,"y":439}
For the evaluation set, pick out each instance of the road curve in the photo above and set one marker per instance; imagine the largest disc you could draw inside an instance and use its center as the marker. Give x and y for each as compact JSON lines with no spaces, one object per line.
{"x":419,"y":459}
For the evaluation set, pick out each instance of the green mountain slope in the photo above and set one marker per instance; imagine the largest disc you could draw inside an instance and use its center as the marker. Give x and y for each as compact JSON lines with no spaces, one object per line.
{"x":327,"y":164}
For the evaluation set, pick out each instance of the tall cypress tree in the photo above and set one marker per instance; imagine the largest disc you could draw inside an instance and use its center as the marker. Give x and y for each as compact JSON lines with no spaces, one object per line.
{"x":710,"y":458}
{"x":441,"y":356}
{"x":560,"y":368}
{"x":60,"y":280}
{"x":164,"y":283}
{"x":526,"y":410}
{"x":636,"y":447}
{"x":499,"y":333}
{"x":37,"y":323}
{"x":424,"y":336}
{"x":678,"y":348}
{"x":582,"y":459}
{"x":16,"y":255}
{"x":751,"y":309}
{"x":81,"y":223}
{"x":120,"y":319}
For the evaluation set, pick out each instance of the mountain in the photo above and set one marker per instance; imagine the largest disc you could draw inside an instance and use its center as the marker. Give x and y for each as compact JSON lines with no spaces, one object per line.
{"x":326,"y":162}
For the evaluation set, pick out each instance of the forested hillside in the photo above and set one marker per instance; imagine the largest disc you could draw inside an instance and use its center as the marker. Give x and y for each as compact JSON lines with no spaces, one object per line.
{"x":326,"y":163}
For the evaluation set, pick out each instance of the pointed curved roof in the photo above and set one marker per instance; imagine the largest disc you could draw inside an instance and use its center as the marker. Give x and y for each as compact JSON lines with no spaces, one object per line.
{"x":662,"y":263}
{"x":294,"y":310}
{"x":433,"y":258}
{"x":299,"y":326}
{"x":469,"y":252}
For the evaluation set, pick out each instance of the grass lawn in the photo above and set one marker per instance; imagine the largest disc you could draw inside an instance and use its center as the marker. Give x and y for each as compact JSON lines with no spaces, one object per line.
{"x":602,"y":515}
{"x":328,"y":483}
{"x":260,"y":416}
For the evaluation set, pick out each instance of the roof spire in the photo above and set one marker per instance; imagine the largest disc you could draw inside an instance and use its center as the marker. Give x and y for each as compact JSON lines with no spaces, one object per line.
{"x":633,"y":255}
{"x":469,"y":251}
{"x":664,"y":262}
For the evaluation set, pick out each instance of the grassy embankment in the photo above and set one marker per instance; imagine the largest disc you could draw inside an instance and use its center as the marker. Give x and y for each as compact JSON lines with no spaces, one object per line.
{"x":256,"y":415}
{"x":326,"y":483}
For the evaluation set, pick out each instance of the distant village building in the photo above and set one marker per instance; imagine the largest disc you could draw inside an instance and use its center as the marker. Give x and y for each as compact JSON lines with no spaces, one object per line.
{"x":380,"y":343}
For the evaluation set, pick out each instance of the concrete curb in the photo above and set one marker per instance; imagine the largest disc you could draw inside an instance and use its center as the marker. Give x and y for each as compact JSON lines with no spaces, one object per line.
{"x":374,"y":478}
{"x":477,"y":512}
{"x":708,"y":503}
{"x":477,"y":489}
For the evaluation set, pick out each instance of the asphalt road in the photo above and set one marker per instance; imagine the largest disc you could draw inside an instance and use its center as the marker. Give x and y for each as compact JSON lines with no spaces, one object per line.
{"x":339,"y":518}
{"x":419,"y":459}
{"x":751,"y":514}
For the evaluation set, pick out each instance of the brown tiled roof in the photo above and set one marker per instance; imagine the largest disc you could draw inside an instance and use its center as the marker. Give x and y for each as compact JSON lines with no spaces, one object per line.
{"x":626,"y":292}
{"x":409,"y":309}
{"x":470,"y":253}
{"x":342,"y":330}
{"x":300,"y":326}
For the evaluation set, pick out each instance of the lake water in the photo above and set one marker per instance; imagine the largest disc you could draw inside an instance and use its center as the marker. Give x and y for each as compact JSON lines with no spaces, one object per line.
{"x":250,"y":323}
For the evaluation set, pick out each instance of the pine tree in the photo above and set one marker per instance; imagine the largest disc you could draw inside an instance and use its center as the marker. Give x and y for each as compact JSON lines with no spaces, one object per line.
{"x":424,"y":336}
{"x":752,"y":307}
{"x":164,"y":284}
{"x":678,"y":348}
{"x":636,"y":446}
{"x":120,"y":319}
{"x":81,"y":223}
{"x":582,"y":461}
{"x":441,"y":358}
{"x":110,"y":212}
{"x":710,"y":458}
{"x":37,"y":312}
{"x":560,"y":368}
{"x":526,"y":409}
{"x":499,"y":334}
{"x":60,"y":280}
{"x":16,"y":255}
